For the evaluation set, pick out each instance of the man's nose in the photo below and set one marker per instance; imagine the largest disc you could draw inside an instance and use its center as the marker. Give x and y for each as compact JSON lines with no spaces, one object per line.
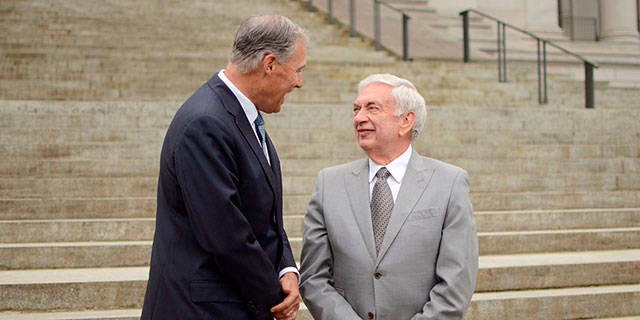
{"x":359,"y":117}
{"x":299,"y":81}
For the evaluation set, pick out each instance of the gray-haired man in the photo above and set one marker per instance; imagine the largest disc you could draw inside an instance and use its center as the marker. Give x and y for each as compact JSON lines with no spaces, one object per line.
{"x":390,"y":236}
{"x":220,"y":250}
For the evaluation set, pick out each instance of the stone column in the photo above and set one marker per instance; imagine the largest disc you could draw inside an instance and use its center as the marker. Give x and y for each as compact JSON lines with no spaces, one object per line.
{"x":450,"y":8}
{"x":618,"y":20}
{"x":542,"y":17}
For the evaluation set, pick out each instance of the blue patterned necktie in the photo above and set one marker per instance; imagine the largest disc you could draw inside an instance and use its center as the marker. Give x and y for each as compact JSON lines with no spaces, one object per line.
{"x":259,"y":123}
{"x":381,"y":206}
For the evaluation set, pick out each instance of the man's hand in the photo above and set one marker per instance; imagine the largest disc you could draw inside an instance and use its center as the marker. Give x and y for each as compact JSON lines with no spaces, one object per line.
{"x":288,"y":308}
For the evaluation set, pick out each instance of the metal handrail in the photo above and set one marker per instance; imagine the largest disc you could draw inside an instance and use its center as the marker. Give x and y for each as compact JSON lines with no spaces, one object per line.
{"x":376,"y":22}
{"x":542,"y":57}
{"x":405,"y":26}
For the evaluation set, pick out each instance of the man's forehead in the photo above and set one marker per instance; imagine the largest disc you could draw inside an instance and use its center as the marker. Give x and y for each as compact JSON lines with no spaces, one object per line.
{"x":373,"y":93}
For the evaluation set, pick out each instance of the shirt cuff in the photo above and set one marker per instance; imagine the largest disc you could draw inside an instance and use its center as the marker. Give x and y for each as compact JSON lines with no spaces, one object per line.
{"x":287,"y":270}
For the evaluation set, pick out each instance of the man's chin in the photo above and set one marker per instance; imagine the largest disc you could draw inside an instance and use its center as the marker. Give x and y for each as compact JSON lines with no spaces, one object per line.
{"x":364,"y":145}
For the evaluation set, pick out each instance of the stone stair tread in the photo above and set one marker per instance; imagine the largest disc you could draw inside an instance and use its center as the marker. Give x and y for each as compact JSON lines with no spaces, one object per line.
{"x":556,"y":292}
{"x":566,"y":231}
{"x":76,"y":244}
{"x":558,"y":258}
{"x":73,"y":275}
{"x":72,"y":315}
{"x":557,"y":211}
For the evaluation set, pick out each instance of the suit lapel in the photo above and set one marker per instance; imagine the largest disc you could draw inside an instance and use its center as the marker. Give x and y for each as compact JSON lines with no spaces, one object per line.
{"x":414,"y":183}
{"x":233,"y":106}
{"x":357,"y":185}
{"x":275,"y":168}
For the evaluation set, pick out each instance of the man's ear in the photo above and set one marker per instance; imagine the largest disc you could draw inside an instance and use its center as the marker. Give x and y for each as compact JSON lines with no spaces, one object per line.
{"x":407,"y":121}
{"x":269,"y":62}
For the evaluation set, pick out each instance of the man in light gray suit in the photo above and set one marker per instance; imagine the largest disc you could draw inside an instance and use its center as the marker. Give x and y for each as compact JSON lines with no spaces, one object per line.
{"x":391,"y":236}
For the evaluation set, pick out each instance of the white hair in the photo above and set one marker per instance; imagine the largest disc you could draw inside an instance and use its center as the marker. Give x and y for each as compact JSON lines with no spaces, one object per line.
{"x":406,"y":97}
{"x":258,"y":36}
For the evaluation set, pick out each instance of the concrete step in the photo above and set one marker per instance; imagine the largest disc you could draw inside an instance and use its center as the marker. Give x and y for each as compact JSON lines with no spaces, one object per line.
{"x":342,"y":139}
{"x":59,"y":168}
{"x":78,"y":188}
{"x":140,"y":229}
{"x":79,"y":168}
{"x":520,"y":242}
{"x":563,"y":303}
{"x":339,"y":152}
{"x":557,"y":270}
{"x":141,"y":186}
{"x":45,"y":255}
{"x":454,"y":117}
{"x":144,"y":207}
{"x":515,"y":242}
{"x":532,"y":220}
{"x":73,"y":289}
{"x":287,"y":123}
{"x":554,"y":200}
{"x":92,"y":230}
{"x":458,"y":121}
{"x":137,"y":253}
{"x":495,"y":273}
{"x":78,"y":208}
{"x":76,"y":230}
{"x":119,"y":314}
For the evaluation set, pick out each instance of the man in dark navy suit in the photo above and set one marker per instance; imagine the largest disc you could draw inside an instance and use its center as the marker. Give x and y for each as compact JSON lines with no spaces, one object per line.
{"x":220,"y":250}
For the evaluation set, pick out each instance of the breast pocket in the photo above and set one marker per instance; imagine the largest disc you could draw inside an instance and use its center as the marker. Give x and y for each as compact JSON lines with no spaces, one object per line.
{"x":426,"y":214}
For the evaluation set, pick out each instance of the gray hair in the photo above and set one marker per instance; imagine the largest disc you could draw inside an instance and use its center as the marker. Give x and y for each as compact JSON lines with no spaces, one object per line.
{"x":258,"y":36}
{"x":405,"y":95}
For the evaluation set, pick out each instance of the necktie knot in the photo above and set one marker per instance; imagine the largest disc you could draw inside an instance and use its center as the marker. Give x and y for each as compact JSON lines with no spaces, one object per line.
{"x":383,"y":173}
{"x":259,"y":121}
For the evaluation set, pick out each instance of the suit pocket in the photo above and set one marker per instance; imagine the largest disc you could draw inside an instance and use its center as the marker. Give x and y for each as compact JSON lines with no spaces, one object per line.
{"x":212,"y":291}
{"x":426,"y":214}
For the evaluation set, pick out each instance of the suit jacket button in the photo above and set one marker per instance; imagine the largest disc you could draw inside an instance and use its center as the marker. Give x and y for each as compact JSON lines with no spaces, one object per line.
{"x":377,"y":275}
{"x":370,"y":315}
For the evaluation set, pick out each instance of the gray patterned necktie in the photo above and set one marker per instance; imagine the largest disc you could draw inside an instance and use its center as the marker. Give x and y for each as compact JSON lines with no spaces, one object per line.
{"x":381,"y":206}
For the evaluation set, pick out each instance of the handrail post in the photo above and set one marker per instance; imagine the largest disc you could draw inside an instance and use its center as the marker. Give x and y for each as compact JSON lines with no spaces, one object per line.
{"x":352,"y":19}
{"x":376,"y":23}
{"x":504,"y":53}
{"x":588,"y":84}
{"x":544,"y":70}
{"x":499,"y":43}
{"x":310,"y":7}
{"x":330,"y":11}
{"x":405,"y":37}
{"x":465,"y":36}
{"x":539,"y":74}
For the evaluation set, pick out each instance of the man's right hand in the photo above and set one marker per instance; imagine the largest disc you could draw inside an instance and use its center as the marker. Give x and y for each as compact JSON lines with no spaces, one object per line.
{"x":288,"y":308}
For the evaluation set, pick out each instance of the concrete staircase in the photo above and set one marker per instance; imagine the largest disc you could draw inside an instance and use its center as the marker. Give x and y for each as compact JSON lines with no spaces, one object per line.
{"x":556,"y":188}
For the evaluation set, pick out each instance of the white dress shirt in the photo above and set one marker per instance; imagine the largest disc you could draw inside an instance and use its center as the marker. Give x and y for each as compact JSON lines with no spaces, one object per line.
{"x":251,"y":112}
{"x":397,"y":168}
{"x":249,"y":108}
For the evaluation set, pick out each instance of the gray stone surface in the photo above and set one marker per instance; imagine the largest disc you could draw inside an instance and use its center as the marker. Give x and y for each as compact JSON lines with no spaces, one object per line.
{"x":78,"y":177}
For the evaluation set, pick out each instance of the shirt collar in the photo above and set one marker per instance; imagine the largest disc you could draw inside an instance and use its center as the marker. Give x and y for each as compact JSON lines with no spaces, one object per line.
{"x":249,"y":108}
{"x":397,"y":167}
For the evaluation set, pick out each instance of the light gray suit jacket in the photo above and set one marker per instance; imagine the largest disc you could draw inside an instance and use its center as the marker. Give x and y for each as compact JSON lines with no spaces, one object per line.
{"x":428,"y":260}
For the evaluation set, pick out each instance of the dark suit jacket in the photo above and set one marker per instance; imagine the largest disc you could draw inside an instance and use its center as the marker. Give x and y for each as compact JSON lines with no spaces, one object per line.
{"x":219,"y":240}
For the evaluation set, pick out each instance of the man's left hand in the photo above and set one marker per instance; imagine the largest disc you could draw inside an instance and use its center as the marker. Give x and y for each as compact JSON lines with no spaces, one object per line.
{"x":288,"y":308}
